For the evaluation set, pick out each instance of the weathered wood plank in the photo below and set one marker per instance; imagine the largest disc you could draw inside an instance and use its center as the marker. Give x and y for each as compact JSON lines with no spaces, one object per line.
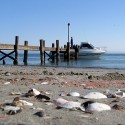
{"x":31,"y":48}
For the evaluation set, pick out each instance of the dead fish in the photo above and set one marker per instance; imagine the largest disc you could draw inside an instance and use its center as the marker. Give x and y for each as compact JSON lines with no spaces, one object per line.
{"x":41,"y":97}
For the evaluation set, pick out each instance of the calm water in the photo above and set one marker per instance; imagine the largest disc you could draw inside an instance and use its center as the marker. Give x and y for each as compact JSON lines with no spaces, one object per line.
{"x":105,"y":61}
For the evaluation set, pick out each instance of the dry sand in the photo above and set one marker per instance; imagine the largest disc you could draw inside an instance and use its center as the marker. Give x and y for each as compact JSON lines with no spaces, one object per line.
{"x":82,"y":80}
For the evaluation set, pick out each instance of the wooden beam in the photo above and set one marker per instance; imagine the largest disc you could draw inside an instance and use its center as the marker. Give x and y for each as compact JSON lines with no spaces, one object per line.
{"x":7,"y":55}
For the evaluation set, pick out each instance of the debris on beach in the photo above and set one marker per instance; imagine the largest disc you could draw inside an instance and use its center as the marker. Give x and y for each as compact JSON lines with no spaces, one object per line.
{"x":75,"y":94}
{"x":32,"y":92}
{"x":9,"y":107}
{"x":6,"y":83}
{"x":7,"y":73}
{"x":72,"y":105}
{"x":15,"y":93}
{"x":59,"y":101}
{"x":42,"y":97}
{"x":94,"y":95}
{"x":118,"y":107}
{"x":12,"y":124}
{"x":89,"y":87}
{"x":62,"y":103}
{"x":46,"y":92}
{"x":44,"y":83}
{"x":62,"y":94}
{"x":37,"y":108}
{"x":11,"y":110}
{"x":95,"y":106}
{"x":117,"y":94}
{"x":40,"y":114}
{"x":18,"y":102}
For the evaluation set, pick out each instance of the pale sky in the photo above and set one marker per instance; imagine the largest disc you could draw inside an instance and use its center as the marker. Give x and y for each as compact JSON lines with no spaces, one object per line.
{"x":100,"y":22}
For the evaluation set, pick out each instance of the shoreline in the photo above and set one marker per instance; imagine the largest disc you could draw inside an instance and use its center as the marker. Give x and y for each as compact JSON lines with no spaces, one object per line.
{"x":58,"y":80}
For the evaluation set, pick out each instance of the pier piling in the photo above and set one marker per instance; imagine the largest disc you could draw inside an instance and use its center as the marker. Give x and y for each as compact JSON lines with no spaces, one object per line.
{"x":53,"y":53}
{"x":68,"y":51}
{"x":16,"y":50}
{"x":25,"y":53}
{"x":42,"y":43}
{"x":57,"y":51}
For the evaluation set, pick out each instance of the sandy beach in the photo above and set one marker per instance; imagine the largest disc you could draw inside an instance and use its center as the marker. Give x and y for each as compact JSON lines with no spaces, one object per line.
{"x":53,"y":81}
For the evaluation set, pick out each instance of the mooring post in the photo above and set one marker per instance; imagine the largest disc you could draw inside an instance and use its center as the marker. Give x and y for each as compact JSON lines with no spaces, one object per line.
{"x":57,"y":51}
{"x":68,"y":51}
{"x":76,"y":52}
{"x":52,"y":52}
{"x":16,"y":50}
{"x":25,"y":53}
{"x":42,"y":51}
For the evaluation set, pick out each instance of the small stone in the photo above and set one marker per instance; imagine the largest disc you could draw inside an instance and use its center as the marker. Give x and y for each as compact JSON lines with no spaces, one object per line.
{"x":7,"y":74}
{"x":40,"y":114}
{"x":90,"y":77}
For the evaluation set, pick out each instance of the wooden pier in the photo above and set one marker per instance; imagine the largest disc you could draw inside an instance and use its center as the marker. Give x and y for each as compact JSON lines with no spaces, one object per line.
{"x":54,"y":50}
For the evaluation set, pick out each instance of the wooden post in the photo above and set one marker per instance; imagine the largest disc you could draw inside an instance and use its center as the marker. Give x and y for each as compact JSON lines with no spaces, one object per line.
{"x":68,"y":51}
{"x":25,"y":53}
{"x":57,"y":51}
{"x":16,"y":50}
{"x":76,"y":52}
{"x":4,"y":62}
{"x":42,"y":51}
{"x":65,"y":53}
{"x":53,"y":58}
{"x":65,"y":46}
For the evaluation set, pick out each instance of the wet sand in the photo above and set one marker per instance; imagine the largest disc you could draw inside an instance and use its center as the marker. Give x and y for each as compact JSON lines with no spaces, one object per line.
{"x":82,"y":80}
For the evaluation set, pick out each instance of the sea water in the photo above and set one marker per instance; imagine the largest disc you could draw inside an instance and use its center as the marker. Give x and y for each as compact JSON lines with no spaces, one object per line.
{"x":108,"y":60}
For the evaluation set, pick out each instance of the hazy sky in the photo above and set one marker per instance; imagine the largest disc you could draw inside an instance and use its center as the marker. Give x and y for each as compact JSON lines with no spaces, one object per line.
{"x":100,"y":22}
